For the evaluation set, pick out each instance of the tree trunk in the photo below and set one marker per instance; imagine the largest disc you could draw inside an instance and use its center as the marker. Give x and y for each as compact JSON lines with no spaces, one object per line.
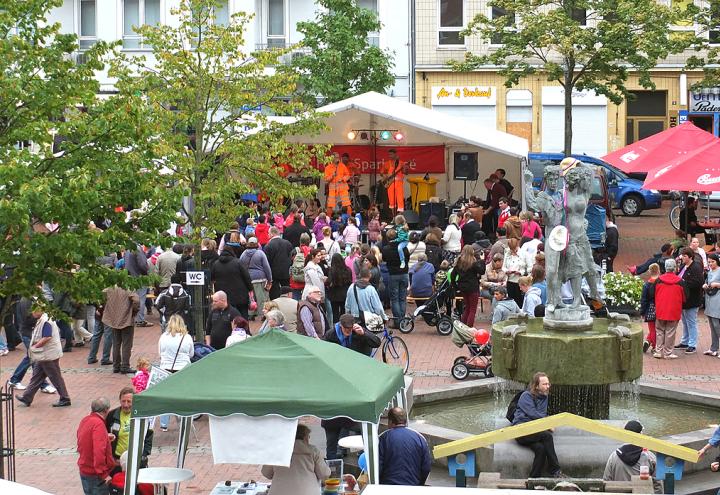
{"x":568,"y":85}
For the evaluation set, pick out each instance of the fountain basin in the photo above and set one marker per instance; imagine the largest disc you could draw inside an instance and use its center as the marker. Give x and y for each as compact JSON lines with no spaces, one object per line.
{"x":569,"y":357}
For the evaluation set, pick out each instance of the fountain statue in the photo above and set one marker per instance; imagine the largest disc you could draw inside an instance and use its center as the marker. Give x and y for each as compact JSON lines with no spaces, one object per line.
{"x":582,"y":355}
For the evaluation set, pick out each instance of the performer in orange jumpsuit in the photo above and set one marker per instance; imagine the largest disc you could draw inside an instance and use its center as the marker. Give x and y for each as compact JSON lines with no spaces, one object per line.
{"x":337,"y":176}
{"x":395,"y":171}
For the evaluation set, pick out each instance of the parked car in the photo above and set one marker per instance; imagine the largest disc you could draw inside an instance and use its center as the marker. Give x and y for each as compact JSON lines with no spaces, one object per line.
{"x":626,"y":193}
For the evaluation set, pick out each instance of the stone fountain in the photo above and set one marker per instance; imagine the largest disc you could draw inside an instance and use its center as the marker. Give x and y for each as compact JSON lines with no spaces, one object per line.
{"x":581,"y":355}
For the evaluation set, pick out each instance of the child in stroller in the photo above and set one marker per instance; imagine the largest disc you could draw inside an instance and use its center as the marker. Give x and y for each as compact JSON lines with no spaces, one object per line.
{"x":437,"y":310}
{"x":478,"y":344}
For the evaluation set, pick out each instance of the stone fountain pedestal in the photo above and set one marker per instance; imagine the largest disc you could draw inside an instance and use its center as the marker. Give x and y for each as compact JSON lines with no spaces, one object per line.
{"x":581,"y":360}
{"x":567,"y":318}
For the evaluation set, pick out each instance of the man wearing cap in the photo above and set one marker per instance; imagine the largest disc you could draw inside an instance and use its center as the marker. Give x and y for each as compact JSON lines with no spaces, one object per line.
{"x":311,"y":318}
{"x":666,"y":252}
{"x":288,"y":307}
{"x":626,"y":460}
{"x":669,"y":299}
{"x":351,"y":335}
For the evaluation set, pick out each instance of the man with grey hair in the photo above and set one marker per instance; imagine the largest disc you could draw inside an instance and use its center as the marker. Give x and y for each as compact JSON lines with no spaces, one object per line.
{"x":279,"y":254}
{"x":275,"y":319}
{"x":218,"y":326}
{"x":669,"y":299}
{"x":94,"y":447}
{"x":311,"y":318}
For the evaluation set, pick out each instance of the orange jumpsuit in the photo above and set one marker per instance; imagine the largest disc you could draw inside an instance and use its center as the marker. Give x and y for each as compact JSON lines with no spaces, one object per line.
{"x":337,"y":176}
{"x":395,"y":190}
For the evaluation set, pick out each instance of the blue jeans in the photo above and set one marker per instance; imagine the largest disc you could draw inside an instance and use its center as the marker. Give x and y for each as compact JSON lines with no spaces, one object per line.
{"x":24,"y":365}
{"x":142,"y":294}
{"x":690,"y":329}
{"x":93,"y":485}
{"x":297,"y":294}
{"x":329,"y":311}
{"x":398,"y":295}
{"x":101,"y":330}
{"x":164,"y":420}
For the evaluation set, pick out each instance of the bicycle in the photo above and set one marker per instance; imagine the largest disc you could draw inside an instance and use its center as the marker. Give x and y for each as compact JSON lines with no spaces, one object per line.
{"x":678,"y":201}
{"x":394,"y":350}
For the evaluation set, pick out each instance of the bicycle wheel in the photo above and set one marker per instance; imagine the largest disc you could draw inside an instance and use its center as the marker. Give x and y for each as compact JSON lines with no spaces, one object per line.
{"x":395,"y":352}
{"x":675,"y":217}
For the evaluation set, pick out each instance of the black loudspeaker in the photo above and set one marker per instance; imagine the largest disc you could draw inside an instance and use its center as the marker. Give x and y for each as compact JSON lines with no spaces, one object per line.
{"x":412,"y":218}
{"x":465,"y":166}
{"x":429,"y":209}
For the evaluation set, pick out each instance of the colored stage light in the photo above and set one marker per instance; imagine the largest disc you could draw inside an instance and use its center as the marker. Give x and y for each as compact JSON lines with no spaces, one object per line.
{"x":351,"y":135}
{"x":399,"y":136}
{"x":385,"y":135}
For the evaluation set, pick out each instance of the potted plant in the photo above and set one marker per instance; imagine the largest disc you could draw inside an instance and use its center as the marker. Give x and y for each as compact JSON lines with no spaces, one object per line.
{"x":622,"y":292}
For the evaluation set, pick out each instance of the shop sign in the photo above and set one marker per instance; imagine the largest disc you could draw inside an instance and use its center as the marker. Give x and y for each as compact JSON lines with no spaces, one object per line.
{"x":705,"y":101}
{"x":555,"y":95}
{"x":463,"y":95}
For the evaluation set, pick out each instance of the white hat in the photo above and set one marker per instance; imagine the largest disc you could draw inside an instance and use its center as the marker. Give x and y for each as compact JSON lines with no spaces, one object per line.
{"x":558,"y":238}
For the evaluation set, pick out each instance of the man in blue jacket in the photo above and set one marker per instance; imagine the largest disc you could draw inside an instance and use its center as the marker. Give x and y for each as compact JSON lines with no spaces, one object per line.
{"x":532,"y":405}
{"x":404,"y":453}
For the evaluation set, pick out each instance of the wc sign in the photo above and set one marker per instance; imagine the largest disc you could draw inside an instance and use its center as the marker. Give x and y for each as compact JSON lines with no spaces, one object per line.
{"x":195,"y":278}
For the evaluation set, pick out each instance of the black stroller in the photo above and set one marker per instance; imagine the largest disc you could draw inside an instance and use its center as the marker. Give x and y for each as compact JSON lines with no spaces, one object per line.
{"x":479,"y":348}
{"x":437,"y":311}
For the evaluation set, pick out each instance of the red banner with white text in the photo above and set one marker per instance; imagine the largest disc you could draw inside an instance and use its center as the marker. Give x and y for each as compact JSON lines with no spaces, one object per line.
{"x":428,"y":159}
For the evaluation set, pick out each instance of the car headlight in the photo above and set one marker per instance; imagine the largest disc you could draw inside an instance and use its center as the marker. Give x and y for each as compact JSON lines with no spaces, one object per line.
{"x":654,"y":191}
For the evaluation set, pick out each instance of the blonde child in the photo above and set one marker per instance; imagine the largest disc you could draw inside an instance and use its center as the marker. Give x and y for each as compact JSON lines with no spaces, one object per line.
{"x":403,"y":237}
{"x":441,"y":275}
{"x":142,"y":375}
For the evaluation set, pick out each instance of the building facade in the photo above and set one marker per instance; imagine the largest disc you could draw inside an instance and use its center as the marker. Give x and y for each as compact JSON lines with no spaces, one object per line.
{"x":273,"y":25}
{"x":534,"y":108}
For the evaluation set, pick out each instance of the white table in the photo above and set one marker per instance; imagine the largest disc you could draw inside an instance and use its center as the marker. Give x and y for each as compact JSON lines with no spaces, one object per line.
{"x":161,"y":476}
{"x":352,"y":442}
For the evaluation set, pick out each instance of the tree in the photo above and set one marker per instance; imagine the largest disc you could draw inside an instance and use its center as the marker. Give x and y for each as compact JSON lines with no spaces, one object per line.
{"x":68,"y":158}
{"x":211,"y":100}
{"x":339,"y":61}
{"x":581,"y":44}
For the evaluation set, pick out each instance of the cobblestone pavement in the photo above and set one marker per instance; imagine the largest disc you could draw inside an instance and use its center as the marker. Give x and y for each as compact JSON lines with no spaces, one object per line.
{"x":45,"y":436}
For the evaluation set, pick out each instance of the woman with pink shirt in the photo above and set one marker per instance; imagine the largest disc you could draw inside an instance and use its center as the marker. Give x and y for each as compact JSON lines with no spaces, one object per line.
{"x":351,"y":234}
{"x":530,"y":228}
{"x":374,"y":228}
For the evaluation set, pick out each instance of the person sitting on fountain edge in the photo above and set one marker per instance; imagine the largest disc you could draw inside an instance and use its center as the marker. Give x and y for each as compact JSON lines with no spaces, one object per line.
{"x":532,"y":405}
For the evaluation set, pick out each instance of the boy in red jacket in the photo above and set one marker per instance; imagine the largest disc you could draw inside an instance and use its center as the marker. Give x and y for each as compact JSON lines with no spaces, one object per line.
{"x":669,"y":299}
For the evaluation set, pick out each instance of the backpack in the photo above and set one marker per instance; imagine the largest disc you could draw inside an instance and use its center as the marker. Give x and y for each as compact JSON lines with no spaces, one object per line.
{"x":297,"y":269}
{"x":201,"y":350}
{"x":510,"y":414}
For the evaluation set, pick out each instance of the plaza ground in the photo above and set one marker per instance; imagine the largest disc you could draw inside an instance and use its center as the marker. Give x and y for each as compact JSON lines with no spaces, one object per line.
{"x":45,"y":436}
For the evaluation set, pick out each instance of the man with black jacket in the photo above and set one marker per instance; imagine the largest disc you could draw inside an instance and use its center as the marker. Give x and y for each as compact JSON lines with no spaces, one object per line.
{"x":293,"y":232}
{"x":691,"y":272}
{"x":231,"y":277}
{"x":398,"y":276}
{"x":117,"y":422}
{"x":279,"y":254}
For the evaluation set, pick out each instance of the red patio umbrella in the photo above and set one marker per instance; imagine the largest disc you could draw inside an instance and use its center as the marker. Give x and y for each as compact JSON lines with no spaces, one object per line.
{"x":657,"y":150}
{"x":697,"y":170}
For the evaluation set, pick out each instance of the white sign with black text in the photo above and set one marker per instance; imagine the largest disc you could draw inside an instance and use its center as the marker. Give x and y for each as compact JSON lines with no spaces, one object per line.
{"x":195,"y":278}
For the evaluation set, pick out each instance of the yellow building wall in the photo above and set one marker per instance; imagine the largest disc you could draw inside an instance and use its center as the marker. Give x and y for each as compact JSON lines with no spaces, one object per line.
{"x":616,"y":114}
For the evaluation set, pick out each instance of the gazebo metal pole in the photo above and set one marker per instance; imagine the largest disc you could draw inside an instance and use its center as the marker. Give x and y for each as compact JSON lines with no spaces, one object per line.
{"x":370,"y":439}
{"x":135,"y":448}
{"x":185,"y":427}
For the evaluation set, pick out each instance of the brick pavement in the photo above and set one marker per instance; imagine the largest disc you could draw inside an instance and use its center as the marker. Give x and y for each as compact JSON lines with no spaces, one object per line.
{"x":46,"y":436}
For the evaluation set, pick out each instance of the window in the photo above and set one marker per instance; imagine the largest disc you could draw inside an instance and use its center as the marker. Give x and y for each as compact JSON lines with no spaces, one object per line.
{"x":138,"y":13}
{"x":222,"y":14}
{"x":714,"y":33}
{"x":88,"y":34}
{"x":509,"y":21}
{"x":451,"y":23}
{"x":579,"y":16}
{"x":276,"y":24}
{"x":371,"y":5}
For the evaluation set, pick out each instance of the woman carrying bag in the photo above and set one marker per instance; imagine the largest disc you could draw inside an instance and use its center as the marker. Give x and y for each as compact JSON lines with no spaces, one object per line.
{"x":175,"y":348}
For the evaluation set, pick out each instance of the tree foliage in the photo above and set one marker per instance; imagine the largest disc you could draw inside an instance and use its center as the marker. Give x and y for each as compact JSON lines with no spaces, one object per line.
{"x":101,"y":162}
{"x":619,"y":37}
{"x":210,"y":100}
{"x":339,"y":61}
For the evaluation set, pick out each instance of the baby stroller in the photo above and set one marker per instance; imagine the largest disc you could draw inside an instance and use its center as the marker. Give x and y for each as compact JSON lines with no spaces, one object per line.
{"x":437,"y":311}
{"x":478,"y":344}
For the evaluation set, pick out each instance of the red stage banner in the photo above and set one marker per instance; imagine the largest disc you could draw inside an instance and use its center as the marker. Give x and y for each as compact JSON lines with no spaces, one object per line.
{"x":428,"y":159}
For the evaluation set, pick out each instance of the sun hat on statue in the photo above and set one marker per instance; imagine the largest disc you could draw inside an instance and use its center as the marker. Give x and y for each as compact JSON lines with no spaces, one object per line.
{"x":558,"y":238}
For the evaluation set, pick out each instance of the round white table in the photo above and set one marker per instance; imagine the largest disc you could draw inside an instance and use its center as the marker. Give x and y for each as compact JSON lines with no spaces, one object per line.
{"x":352,"y":442}
{"x":160,"y":476}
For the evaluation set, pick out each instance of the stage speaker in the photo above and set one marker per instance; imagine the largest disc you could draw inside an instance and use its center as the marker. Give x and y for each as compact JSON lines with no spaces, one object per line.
{"x":412,"y":218}
{"x":429,"y":209}
{"x":465,"y":166}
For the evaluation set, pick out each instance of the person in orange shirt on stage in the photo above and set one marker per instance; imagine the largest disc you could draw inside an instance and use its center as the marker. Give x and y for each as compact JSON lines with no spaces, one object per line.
{"x":395,"y":171}
{"x":337,"y":176}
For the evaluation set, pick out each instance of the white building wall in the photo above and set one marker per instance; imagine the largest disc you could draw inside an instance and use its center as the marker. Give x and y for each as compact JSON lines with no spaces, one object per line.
{"x":394,"y":15}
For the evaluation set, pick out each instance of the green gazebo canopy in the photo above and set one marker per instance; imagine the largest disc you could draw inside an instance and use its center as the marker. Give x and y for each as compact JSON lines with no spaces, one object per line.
{"x":277,"y":373}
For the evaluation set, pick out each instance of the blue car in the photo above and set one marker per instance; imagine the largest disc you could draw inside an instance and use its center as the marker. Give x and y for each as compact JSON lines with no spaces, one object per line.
{"x":626,"y":193}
